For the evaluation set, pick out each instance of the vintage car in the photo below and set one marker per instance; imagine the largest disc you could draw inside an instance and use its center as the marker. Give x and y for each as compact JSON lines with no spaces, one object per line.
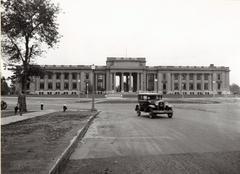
{"x":153,"y":104}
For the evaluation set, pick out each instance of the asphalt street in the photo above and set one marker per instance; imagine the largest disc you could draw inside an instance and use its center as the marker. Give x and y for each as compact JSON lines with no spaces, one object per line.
{"x":200,"y":138}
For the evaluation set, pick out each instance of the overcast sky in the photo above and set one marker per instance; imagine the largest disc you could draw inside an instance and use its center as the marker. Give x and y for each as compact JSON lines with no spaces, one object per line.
{"x":166,"y":32}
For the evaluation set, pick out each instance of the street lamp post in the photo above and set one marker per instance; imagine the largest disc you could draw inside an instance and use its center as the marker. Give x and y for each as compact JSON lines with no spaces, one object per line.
{"x":93,"y":88}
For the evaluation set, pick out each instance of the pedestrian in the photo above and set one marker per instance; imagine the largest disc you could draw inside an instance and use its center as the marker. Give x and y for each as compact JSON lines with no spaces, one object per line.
{"x":16,"y":109}
{"x":64,"y":107}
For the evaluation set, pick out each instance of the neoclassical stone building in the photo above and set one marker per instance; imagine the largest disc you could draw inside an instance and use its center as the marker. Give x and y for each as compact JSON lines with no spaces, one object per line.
{"x":131,"y":75}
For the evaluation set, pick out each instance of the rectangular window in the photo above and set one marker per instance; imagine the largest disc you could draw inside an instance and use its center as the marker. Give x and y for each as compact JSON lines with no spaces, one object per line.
{"x":87,"y":76}
{"x":164,"y":86}
{"x":191,"y":87}
{"x":74,"y":76}
{"x":184,"y":86}
{"x":74,"y":85}
{"x":205,"y":86}
{"x":41,"y":85}
{"x":199,"y":76}
{"x":42,"y":76}
{"x":176,"y":86}
{"x":58,"y":75}
{"x":219,"y":76}
{"x":66,"y":86}
{"x":175,"y":76}
{"x":49,"y":76}
{"x":49,"y":85}
{"x":190,"y":76}
{"x":58,"y":85}
{"x":184,"y":76}
{"x":198,"y":86}
{"x":205,"y":76}
{"x":66,"y":75}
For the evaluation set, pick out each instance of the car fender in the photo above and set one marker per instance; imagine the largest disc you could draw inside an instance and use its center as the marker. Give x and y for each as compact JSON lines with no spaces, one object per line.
{"x":152,"y":106}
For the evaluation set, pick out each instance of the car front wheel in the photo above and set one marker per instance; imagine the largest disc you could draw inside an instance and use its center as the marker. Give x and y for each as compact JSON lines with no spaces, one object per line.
{"x":170,"y":115}
{"x":151,"y":114}
{"x":138,"y":113}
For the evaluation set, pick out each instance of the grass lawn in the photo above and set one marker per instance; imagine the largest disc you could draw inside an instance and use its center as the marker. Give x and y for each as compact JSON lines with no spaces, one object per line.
{"x":32,"y":146}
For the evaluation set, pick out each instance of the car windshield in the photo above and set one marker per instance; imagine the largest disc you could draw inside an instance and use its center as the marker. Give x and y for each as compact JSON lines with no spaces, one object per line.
{"x":149,"y":97}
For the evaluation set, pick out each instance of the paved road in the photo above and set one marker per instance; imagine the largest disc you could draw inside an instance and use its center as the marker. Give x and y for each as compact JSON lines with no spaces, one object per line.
{"x":199,"y":139}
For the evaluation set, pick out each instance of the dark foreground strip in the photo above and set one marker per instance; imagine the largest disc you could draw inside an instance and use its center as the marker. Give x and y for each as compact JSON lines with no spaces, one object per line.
{"x":62,"y":160}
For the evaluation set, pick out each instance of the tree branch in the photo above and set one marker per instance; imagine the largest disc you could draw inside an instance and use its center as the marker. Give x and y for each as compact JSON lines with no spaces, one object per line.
{"x":15,"y":45}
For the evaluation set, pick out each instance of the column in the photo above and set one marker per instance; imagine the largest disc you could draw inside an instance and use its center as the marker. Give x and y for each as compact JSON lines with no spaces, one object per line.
{"x":223,"y":87}
{"x":110,"y":82}
{"x":202,"y":82}
{"x":187,"y":82}
{"x":155,"y":82}
{"x":54,"y":81}
{"x":78,"y":83}
{"x":142,"y":82}
{"x":45,"y":82}
{"x":195,"y":82}
{"x":37,"y":83}
{"x":168,"y":82}
{"x":209,"y":82}
{"x":138,"y":82}
{"x":146,"y":81}
{"x":130,"y":82}
{"x":180,"y":81}
{"x":62,"y":81}
{"x":103,"y":81}
{"x":160,"y":79}
{"x":107,"y":81}
{"x":227,"y":82}
{"x":114,"y":82}
{"x":82,"y":83}
{"x":214,"y":85}
{"x":70,"y":81}
{"x":172,"y":80}
{"x":122,"y":84}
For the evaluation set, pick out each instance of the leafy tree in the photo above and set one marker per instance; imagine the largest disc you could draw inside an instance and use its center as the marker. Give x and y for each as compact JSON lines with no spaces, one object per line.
{"x":4,"y":86}
{"x":28,"y":28}
{"x":235,"y":89}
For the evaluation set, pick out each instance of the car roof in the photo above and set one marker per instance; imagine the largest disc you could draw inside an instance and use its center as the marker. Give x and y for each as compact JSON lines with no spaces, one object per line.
{"x":149,"y":94}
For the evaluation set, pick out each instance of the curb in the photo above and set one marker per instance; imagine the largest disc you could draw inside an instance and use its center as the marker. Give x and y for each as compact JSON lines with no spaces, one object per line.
{"x":61,"y":161}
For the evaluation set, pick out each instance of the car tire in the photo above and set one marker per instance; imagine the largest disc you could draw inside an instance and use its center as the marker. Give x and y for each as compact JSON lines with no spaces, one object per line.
{"x":151,"y":114}
{"x":170,"y":115}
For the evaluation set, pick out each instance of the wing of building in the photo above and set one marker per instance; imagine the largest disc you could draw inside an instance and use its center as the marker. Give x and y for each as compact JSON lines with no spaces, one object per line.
{"x":131,"y":75}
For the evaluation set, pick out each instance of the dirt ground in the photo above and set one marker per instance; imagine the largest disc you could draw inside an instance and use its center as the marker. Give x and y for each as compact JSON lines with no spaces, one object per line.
{"x":32,"y":146}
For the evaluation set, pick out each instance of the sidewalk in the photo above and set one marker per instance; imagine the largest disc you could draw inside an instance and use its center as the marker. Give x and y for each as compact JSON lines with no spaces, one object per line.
{"x":16,"y":118}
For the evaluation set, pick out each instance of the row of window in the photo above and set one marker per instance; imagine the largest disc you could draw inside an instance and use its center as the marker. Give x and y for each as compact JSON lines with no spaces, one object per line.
{"x":58,"y":85}
{"x":191,"y":86}
{"x":192,"y":93}
{"x":65,"y":76}
{"x":191,"y":76}
{"x":57,"y":93}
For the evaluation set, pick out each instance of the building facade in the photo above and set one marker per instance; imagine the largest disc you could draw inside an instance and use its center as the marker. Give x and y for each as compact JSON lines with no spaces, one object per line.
{"x":131,"y":75}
